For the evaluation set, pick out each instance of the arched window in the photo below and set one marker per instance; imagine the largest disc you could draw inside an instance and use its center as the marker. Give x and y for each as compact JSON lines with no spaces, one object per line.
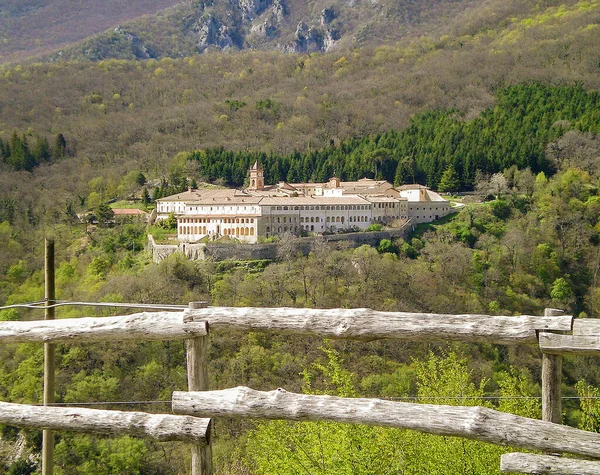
{"x":251,"y":231}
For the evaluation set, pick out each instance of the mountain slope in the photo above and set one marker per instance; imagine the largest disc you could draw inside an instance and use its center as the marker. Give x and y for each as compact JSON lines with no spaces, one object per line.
{"x":299,"y":25}
{"x":120,"y":116}
{"x":283,"y":25}
{"x":35,"y":27}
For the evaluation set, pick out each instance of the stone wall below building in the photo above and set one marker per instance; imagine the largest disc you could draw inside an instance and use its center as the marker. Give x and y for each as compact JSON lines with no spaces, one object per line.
{"x":236,"y":251}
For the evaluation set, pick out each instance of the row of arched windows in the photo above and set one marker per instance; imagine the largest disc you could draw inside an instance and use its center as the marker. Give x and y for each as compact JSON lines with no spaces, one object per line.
{"x":192,"y":230}
{"x":194,"y":220}
{"x":239,"y":232}
{"x":238,"y":220}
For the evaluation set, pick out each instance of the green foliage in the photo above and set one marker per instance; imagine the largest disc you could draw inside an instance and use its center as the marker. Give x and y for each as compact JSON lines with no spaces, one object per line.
{"x":92,"y":387}
{"x":515,"y":132}
{"x":104,"y":214}
{"x":169,"y":224}
{"x":386,"y":245}
{"x":590,"y":406}
{"x":22,"y":467}
{"x":561,"y":290}
{"x":449,"y":181}
{"x":501,"y":209}
{"x":317,"y":447}
{"x":84,"y":454}
{"x":517,"y":390}
{"x":19,"y":154}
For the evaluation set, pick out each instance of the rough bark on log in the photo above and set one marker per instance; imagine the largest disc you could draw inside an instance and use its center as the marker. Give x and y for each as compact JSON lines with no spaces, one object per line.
{"x":556,"y":344}
{"x":138,"y":326}
{"x":477,"y":423}
{"x":586,"y":326}
{"x":366,"y":324}
{"x":547,"y":464}
{"x":157,"y":426}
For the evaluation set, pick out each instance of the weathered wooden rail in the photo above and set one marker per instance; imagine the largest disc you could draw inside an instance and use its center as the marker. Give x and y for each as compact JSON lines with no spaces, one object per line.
{"x":476,"y":422}
{"x":161,"y":427}
{"x":145,"y":326}
{"x":555,"y":334}
{"x":547,"y":464}
{"x":367,"y":324}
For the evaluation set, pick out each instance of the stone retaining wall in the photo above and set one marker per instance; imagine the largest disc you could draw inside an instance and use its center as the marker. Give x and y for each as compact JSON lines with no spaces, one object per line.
{"x":236,"y":251}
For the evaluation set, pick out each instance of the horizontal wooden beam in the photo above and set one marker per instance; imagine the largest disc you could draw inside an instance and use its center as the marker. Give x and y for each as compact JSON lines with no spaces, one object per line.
{"x":586,"y":326}
{"x":366,"y":324}
{"x":156,"y":426}
{"x":478,"y":423}
{"x":138,"y":326}
{"x":547,"y":464}
{"x":556,"y":344}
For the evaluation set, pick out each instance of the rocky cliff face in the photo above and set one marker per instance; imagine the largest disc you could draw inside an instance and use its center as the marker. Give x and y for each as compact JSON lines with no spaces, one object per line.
{"x":209,"y":31}
{"x":295,"y":26}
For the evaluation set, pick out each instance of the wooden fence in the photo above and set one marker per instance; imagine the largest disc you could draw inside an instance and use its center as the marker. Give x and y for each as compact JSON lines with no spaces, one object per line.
{"x":555,"y":334}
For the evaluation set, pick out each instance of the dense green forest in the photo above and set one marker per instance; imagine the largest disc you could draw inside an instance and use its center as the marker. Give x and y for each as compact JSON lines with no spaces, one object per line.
{"x":504,"y":104}
{"x":534,"y":246}
{"x":515,"y":132}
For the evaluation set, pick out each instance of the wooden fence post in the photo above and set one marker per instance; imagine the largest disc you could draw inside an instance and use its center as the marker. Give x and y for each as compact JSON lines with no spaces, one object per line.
{"x":197,"y":373}
{"x":552,"y":380}
{"x":50,"y":295}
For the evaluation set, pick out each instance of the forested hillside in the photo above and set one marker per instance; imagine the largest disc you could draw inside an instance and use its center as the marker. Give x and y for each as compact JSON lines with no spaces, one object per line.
{"x":515,"y":132}
{"x":32,"y":28}
{"x":120,"y":117}
{"x":500,"y":99}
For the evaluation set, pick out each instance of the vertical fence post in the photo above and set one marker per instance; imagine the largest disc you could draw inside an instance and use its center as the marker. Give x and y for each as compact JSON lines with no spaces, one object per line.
{"x":50,"y":296}
{"x":197,"y":373}
{"x":552,"y":380}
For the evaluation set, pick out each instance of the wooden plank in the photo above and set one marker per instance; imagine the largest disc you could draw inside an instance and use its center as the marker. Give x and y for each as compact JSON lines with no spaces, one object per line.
{"x":547,"y":464}
{"x":138,"y":326}
{"x":586,"y":326}
{"x":161,"y":427}
{"x":366,"y":324}
{"x":478,"y":423}
{"x":569,"y":344}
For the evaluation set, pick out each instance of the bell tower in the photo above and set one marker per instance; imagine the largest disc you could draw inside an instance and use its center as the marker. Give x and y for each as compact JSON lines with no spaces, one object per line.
{"x":257,"y":177}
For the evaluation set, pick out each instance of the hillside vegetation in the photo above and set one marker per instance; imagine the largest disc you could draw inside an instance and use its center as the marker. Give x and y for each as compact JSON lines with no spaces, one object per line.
{"x":505,"y":102}
{"x":39,"y":27}
{"x":119,"y":117}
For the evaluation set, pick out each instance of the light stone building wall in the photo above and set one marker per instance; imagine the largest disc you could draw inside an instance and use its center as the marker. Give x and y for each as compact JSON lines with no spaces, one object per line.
{"x":297,"y":209}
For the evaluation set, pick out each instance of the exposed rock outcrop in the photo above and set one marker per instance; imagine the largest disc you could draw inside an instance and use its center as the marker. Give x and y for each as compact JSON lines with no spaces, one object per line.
{"x":268,"y":24}
{"x":327,"y":16}
{"x":308,"y":39}
{"x":210,"y":31}
{"x":253,"y":8}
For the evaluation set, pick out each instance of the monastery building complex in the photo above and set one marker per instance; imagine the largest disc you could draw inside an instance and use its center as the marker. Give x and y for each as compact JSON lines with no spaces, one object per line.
{"x":297,"y":208}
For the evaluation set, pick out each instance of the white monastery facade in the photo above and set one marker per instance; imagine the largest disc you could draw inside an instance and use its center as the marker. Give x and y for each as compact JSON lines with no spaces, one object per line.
{"x":296,"y":208}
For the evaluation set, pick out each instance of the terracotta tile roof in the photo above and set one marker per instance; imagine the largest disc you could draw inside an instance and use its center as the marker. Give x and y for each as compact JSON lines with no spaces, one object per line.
{"x":129,"y":212}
